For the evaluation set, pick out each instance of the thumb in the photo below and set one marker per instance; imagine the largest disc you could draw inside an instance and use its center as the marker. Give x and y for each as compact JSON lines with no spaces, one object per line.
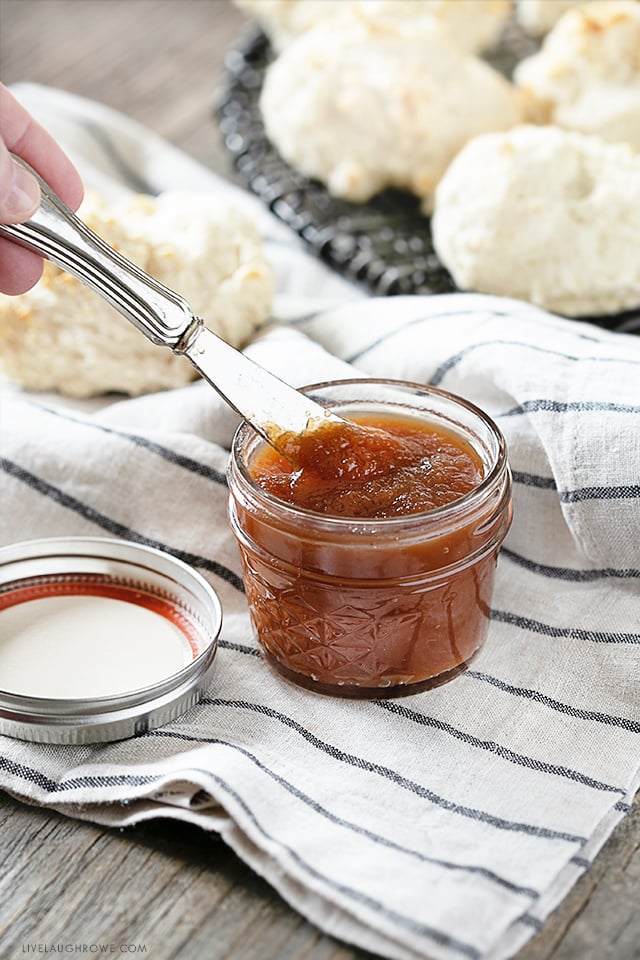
{"x":19,"y":192}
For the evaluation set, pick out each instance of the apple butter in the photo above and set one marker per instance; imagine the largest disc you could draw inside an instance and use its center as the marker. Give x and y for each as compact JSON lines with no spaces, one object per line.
{"x":369,"y":565}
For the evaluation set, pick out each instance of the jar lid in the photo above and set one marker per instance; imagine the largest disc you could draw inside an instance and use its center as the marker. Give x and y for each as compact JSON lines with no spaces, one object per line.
{"x":100,"y":639}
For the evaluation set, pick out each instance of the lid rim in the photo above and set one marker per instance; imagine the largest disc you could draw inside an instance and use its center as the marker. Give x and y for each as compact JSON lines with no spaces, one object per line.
{"x":116,"y":725}
{"x":129,"y":712}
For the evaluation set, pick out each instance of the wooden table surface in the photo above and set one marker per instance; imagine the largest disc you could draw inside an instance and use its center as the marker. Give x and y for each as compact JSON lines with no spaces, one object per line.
{"x":173,"y":888}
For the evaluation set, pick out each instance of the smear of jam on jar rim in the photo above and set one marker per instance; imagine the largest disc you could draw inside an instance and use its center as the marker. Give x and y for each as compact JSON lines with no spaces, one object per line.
{"x":398,"y":465}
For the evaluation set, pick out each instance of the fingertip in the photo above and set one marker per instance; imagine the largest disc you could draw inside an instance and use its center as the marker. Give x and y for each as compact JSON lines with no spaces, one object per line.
{"x":20,"y":269}
{"x":74,"y":190}
{"x":22,"y":199}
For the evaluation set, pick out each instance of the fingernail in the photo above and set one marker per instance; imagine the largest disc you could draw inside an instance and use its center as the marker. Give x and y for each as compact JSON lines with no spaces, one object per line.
{"x":23,"y":197}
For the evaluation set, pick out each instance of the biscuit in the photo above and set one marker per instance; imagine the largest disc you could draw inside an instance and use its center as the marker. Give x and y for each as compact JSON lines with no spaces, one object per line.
{"x":545,"y":215}
{"x":537,"y":17}
{"x":62,"y":336}
{"x":586,"y":77}
{"x":474,"y":24}
{"x":380,"y":103}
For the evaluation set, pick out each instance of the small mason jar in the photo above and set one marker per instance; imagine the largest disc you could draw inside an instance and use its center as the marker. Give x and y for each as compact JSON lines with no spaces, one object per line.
{"x":374,"y":607}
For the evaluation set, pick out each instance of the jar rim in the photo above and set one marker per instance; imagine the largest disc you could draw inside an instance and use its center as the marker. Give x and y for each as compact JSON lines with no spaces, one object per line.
{"x":461,"y":505}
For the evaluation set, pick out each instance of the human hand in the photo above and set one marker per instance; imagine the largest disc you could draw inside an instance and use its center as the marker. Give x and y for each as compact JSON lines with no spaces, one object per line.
{"x":20,"y":269}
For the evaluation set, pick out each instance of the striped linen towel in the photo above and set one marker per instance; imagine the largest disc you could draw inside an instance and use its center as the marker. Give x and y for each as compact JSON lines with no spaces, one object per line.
{"x":383,"y":822}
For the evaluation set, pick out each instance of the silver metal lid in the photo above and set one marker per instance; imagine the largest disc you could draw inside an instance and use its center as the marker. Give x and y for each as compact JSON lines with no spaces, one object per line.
{"x":147,"y":579}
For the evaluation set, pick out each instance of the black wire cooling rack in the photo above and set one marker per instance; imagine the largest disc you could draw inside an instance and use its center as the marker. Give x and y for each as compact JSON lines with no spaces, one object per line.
{"x":384,"y":244}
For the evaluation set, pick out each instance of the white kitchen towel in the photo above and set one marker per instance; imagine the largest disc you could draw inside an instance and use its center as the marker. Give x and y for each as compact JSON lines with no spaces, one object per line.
{"x":387,"y":822}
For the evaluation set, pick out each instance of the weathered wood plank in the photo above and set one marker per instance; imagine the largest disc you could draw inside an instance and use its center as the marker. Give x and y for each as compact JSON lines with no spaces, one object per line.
{"x":158,"y":61}
{"x":184,"y":894}
{"x":170,"y":886}
{"x":600,"y":918}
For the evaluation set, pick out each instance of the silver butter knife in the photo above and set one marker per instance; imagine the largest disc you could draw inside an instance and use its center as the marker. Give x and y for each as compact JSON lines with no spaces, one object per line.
{"x":273,"y":407}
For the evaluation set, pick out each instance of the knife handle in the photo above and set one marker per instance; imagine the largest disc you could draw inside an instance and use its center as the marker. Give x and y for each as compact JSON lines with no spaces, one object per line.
{"x":57,"y":234}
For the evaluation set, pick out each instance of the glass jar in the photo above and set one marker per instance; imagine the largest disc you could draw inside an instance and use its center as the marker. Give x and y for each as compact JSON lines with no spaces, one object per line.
{"x":374,"y":607}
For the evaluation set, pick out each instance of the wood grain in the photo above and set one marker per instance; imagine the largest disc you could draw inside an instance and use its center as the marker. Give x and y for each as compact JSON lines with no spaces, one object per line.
{"x":168,"y":886}
{"x":158,"y":61}
{"x":172,"y":887}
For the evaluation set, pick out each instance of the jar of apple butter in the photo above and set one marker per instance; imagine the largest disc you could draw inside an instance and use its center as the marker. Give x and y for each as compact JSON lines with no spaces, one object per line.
{"x":369,"y":564}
